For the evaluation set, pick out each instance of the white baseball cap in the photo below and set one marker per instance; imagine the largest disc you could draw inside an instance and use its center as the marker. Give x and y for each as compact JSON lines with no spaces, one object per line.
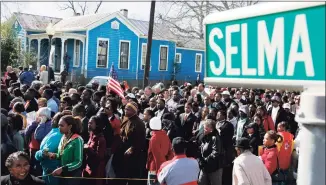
{"x":155,"y":123}
{"x":286,"y":106}
{"x":226,"y":93}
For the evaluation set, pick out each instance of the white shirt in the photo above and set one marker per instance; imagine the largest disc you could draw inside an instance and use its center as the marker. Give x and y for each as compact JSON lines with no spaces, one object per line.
{"x":160,"y":113}
{"x":248,"y":169}
{"x":274,"y":113}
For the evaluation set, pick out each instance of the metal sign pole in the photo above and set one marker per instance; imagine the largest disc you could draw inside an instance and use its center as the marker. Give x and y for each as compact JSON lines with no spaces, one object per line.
{"x":311,"y":166}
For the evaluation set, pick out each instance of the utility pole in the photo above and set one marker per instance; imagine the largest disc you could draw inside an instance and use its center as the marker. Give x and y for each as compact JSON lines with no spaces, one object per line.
{"x":149,"y":44}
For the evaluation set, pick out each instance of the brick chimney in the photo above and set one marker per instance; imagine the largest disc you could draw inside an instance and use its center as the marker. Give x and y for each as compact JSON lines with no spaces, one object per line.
{"x":124,"y":12}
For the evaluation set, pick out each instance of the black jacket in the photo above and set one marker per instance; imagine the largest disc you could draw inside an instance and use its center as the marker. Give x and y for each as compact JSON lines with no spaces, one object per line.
{"x":254,"y":143}
{"x":185,"y":126}
{"x":32,"y":106}
{"x":226,"y":133}
{"x":29,"y":180}
{"x":211,"y":157}
{"x":281,"y":116}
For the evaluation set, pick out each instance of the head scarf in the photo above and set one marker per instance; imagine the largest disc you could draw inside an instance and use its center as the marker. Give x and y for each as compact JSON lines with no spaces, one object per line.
{"x":133,"y":105}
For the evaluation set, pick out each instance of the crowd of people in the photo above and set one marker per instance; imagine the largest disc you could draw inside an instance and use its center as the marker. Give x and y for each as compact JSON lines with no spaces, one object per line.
{"x":181,"y":134}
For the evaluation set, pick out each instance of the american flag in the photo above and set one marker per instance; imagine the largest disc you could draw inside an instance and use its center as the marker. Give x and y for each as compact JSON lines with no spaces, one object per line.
{"x":113,"y":83}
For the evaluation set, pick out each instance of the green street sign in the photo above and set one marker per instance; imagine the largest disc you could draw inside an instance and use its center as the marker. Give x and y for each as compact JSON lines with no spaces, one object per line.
{"x":269,"y":44}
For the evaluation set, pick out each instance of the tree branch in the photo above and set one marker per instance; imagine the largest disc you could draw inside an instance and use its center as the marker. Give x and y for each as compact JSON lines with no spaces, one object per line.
{"x":98,"y":7}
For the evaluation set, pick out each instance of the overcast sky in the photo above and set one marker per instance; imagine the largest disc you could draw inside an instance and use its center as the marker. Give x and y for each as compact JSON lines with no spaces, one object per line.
{"x":137,"y":10}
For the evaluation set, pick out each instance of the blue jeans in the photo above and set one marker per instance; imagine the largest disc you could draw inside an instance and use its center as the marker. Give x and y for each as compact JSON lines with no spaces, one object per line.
{"x":150,"y":181}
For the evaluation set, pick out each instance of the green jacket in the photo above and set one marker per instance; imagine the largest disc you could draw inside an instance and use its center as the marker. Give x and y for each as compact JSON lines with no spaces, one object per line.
{"x":72,"y":154}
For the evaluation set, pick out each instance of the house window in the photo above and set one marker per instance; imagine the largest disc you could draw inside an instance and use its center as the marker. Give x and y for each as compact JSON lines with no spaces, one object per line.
{"x":77,"y":53}
{"x":102,"y":53}
{"x":198,"y":62}
{"x":143,"y":55}
{"x":124,"y":54}
{"x":163,"y":58}
{"x":178,"y":58}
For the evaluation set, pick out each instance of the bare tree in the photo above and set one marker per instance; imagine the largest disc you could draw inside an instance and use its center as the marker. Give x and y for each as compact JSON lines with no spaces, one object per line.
{"x":80,"y":7}
{"x":185,"y":18}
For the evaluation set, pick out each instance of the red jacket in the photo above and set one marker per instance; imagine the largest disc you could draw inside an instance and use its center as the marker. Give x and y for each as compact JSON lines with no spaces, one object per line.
{"x":285,"y":150}
{"x":269,"y":157}
{"x":159,"y":151}
{"x":95,"y":157}
{"x":268,"y":123}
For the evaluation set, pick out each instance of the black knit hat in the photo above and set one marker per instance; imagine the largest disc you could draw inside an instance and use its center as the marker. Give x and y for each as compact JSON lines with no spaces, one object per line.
{"x":243,"y":143}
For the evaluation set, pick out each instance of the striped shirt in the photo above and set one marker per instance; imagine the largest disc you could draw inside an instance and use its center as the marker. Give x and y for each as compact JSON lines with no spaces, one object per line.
{"x":173,"y":172}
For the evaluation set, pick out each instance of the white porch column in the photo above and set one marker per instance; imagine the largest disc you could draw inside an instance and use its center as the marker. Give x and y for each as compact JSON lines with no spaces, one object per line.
{"x":38,"y":53}
{"x":83,"y":59}
{"x":29,"y":45}
{"x":62,"y":54}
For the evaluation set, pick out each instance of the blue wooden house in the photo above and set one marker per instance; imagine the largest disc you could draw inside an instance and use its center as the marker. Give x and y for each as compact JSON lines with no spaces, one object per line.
{"x":95,"y":42}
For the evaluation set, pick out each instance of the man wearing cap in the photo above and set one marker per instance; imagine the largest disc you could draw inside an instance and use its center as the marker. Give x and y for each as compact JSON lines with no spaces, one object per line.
{"x":128,"y":159}
{"x":277,"y":113}
{"x":159,"y":151}
{"x":248,"y":168}
{"x":293,"y":125}
{"x":180,"y":170}
{"x":226,"y":98}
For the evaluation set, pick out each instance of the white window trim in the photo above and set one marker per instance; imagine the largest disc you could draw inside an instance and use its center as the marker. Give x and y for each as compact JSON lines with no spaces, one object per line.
{"x":180,"y":59}
{"x":167,"y":58}
{"x":120,"y":54}
{"x":141,"y":59}
{"x":98,"y":40}
{"x":75,"y":57}
{"x":201,"y":62}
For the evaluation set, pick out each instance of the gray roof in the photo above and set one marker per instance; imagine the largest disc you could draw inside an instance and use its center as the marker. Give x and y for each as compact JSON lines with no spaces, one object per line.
{"x":35,"y":22}
{"x":160,"y":31}
{"x":79,"y":22}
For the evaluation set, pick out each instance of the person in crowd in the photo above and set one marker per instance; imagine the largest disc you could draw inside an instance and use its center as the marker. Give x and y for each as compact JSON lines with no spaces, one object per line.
{"x":19,"y":109}
{"x":161,"y":108}
{"x":79,"y":111}
{"x":16,"y":123}
{"x":18,"y":94}
{"x":148,"y":93}
{"x":259,"y":128}
{"x":26,"y":77}
{"x":199,"y":100}
{"x":248,"y":168}
{"x":232,"y":117}
{"x":174,"y":101}
{"x":65,"y":104}
{"x":269,"y":153}
{"x":102,"y":104}
{"x":115,"y":123}
{"x":226,"y":98}
{"x":30,"y":101}
{"x":292,"y":124}
{"x":51,"y":104}
{"x":97,"y":99}
{"x":68,"y":86}
{"x":152,"y":105}
{"x":285,"y":149}
{"x":207,"y":102}
{"x":252,"y":111}
{"x":203,"y":118}
{"x":95,"y":151}
{"x":277,"y":112}
{"x":252,"y":135}
{"x":70,"y":151}
{"x":148,"y":115}
{"x":87,"y":102}
{"x":44,"y":123}
{"x":50,"y":143}
{"x":18,"y":164}
{"x":42,"y":102}
{"x":187,"y":121}
{"x":242,"y":122}
{"x":201,"y":90}
{"x":170,"y":173}
{"x":211,"y":158}
{"x":10,"y":76}
{"x":226,"y":131}
{"x":7,"y":147}
{"x":267,"y":119}
{"x":159,"y":150}
{"x":75,"y":98}
{"x":44,"y":76}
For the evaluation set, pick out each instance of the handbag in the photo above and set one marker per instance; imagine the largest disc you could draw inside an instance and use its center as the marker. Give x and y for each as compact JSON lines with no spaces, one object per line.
{"x":278,"y":175}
